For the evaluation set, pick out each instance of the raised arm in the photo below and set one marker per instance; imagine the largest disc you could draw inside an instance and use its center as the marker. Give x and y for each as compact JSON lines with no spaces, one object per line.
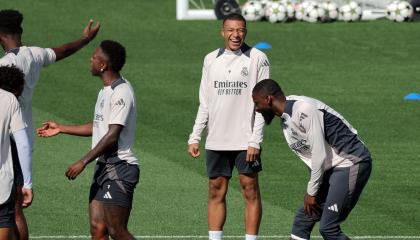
{"x":50,"y":129}
{"x":107,"y":142}
{"x":68,"y":49}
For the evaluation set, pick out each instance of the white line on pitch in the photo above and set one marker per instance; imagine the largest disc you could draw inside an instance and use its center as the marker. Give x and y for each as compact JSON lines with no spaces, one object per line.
{"x":232,"y":237}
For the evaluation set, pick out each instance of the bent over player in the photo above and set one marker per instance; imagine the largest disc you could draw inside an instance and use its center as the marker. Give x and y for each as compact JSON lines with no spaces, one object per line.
{"x":113,"y":128}
{"x":30,"y":60}
{"x":340,"y":164}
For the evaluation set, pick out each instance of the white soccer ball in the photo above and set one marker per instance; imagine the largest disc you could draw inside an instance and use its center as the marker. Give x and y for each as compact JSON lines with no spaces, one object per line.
{"x":300,"y":9}
{"x":399,"y":11}
{"x":276,"y":12}
{"x":314,"y":13}
{"x":331,"y":10}
{"x":253,"y":10}
{"x":290,"y":8}
{"x":350,"y":12}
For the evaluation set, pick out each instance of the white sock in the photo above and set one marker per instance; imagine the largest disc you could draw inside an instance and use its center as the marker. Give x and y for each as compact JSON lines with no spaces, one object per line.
{"x":215,"y":235}
{"x":250,"y":237}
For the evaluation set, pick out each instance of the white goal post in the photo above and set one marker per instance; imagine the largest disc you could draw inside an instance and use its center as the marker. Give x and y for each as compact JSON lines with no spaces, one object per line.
{"x":184,"y":12}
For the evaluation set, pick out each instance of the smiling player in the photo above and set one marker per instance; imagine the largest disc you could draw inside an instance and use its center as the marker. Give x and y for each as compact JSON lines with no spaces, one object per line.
{"x":234,"y":129}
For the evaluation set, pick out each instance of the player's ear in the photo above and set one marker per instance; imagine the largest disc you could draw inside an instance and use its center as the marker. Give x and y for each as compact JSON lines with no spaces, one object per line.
{"x":270,"y":100}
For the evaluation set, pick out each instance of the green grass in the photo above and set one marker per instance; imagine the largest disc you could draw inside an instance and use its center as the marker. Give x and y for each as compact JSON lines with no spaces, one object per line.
{"x":363,"y":70}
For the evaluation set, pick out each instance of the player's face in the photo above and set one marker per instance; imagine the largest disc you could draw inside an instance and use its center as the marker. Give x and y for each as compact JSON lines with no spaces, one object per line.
{"x":263,"y":105}
{"x":234,"y":32}
{"x":97,"y":63}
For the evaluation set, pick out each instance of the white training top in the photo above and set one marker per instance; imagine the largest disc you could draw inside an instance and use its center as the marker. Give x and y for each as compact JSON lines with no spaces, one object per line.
{"x":116,"y":104}
{"x":321,"y":137}
{"x":226,"y":105}
{"x":30,"y":61}
{"x":10,"y":121}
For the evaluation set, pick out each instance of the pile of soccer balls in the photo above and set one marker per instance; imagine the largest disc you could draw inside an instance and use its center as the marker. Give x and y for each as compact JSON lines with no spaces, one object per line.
{"x":317,"y":11}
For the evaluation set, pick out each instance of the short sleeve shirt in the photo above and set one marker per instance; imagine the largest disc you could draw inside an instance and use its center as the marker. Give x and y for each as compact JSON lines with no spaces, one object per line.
{"x":30,"y":61}
{"x":116,"y":104}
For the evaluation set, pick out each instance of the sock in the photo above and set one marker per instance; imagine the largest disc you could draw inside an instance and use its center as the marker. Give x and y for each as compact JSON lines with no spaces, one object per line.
{"x":215,"y":235}
{"x":250,"y":237}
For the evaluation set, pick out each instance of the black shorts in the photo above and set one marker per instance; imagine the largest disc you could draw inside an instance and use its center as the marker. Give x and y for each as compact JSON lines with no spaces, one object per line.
{"x":17,"y":170}
{"x":221,"y":163}
{"x":114,"y":183}
{"x":7,"y":211}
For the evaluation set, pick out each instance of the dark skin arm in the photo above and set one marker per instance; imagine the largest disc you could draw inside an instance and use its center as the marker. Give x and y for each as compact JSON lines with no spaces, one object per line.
{"x":109,"y":140}
{"x":310,"y":206}
{"x":68,"y":49}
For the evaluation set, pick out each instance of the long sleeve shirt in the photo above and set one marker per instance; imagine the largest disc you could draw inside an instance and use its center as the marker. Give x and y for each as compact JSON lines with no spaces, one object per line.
{"x":226,"y":105}
{"x":321,"y":137}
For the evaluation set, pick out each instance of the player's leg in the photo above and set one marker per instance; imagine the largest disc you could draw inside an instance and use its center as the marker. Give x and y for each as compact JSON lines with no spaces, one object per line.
{"x":7,"y":218}
{"x":251,"y":194}
{"x":304,"y":224}
{"x":117,"y":199}
{"x":21,"y":225}
{"x":97,"y":223}
{"x":7,"y":233}
{"x":218,"y":187}
{"x":346,"y":185}
{"x":219,"y":171}
{"x":248,"y":177}
{"x":98,"y":229}
{"x":116,"y":220}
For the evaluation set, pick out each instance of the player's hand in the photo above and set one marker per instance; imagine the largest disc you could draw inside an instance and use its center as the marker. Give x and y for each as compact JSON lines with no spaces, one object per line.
{"x":48,"y":129}
{"x":28,"y":197}
{"x":310,"y":206}
{"x":89,"y":33}
{"x":194,"y":150}
{"x":75,"y":169}
{"x":252,"y":154}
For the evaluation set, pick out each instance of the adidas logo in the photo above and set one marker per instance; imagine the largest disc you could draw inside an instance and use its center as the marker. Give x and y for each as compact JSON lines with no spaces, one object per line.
{"x":333,"y":208}
{"x":107,"y":195}
{"x":120,"y":102}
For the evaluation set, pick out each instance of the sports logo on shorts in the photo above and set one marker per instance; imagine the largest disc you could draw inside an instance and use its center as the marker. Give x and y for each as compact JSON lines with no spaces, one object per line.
{"x":107,"y":195}
{"x":255,"y":163}
{"x":244,"y":72}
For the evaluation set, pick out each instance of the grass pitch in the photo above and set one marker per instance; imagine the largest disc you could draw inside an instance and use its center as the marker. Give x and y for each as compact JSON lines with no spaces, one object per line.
{"x":363,"y":70}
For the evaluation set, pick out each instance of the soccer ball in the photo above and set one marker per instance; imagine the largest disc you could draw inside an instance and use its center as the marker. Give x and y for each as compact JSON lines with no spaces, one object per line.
{"x":253,"y":10}
{"x":331,"y":11}
{"x":314,"y":13}
{"x":399,"y":11}
{"x":300,"y":9}
{"x":276,"y":12}
{"x":351,"y":12}
{"x":290,"y":8}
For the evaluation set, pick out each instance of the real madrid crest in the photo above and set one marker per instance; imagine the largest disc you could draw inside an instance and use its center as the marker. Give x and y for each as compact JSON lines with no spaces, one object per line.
{"x":244,"y":72}
{"x":101,"y":105}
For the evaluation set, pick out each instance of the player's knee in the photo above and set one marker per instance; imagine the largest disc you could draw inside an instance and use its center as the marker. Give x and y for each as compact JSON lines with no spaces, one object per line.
{"x":251,"y":192}
{"x":97,"y":229}
{"x":118,"y":232}
{"x":331,"y":232}
{"x":217,"y":191}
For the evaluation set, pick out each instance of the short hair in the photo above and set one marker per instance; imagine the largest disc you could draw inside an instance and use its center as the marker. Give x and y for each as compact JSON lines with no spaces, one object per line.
{"x":234,"y":16}
{"x":11,"y":79}
{"x":268,"y":87}
{"x":10,"y":21}
{"x":115,"y":52}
